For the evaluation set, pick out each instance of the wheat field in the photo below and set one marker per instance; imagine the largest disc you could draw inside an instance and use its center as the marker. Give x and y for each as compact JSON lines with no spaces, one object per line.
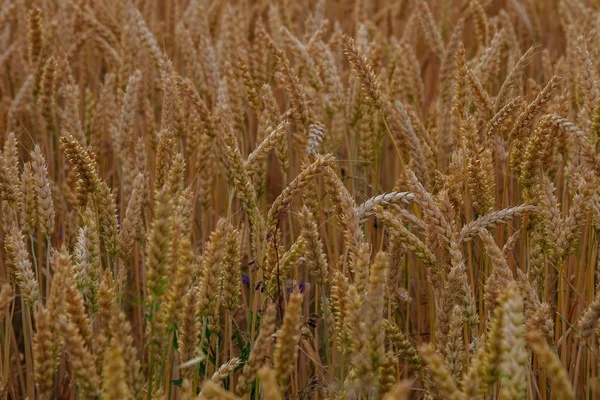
{"x":300,"y":199}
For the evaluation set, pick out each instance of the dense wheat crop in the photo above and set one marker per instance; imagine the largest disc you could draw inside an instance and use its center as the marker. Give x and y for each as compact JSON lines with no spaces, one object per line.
{"x":299,"y":199}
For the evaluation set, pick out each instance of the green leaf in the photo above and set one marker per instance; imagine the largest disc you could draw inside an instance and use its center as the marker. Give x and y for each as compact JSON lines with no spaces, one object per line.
{"x":177,"y":382}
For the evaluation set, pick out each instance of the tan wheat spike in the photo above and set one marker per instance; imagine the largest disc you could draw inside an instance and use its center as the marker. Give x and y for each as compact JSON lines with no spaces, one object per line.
{"x":283,"y":201}
{"x":535,"y":107}
{"x":365,"y":210}
{"x":491,"y":220}
{"x":439,"y":374}
{"x":560,"y":379}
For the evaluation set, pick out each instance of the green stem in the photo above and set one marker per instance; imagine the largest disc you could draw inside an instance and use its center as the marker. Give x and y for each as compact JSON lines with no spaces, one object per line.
{"x":27,"y":328}
{"x":35,"y":263}
{"x":202,"y":337}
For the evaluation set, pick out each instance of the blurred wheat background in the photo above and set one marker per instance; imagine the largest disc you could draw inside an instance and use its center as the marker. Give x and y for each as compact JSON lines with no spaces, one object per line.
{"x":299,"y":199}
